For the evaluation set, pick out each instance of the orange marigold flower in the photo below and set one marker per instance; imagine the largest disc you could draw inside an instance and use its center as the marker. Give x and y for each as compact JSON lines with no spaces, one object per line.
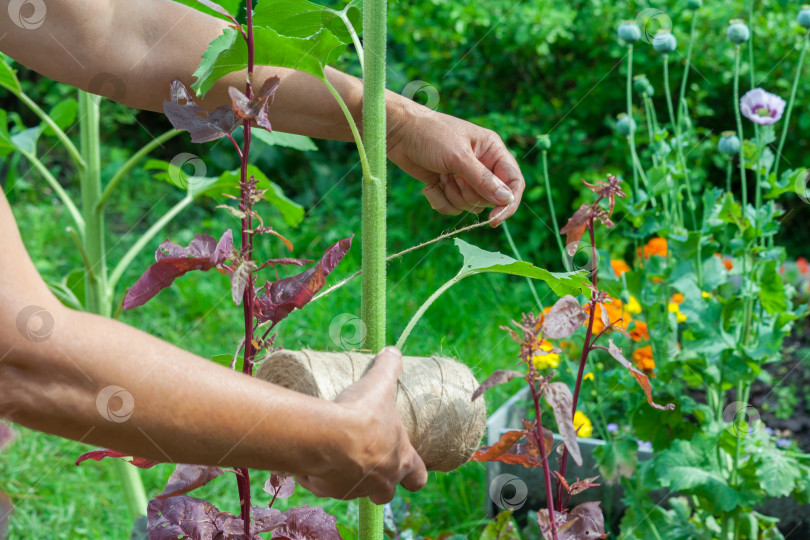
{"x":727,"y":262}
{"x":803,"y":265}
{"x":644,"y":359}
{"x":619,"y":266}
{"x":614,"y":310}
{"x":640,"y":331}
{"x":677,"y":298}
{"x":657,"y":280}
{"x":656,"y":246}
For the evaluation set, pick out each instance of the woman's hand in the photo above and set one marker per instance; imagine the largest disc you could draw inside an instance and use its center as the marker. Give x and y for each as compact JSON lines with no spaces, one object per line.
{"x":376,"y":454}
{"x":465,"y":167}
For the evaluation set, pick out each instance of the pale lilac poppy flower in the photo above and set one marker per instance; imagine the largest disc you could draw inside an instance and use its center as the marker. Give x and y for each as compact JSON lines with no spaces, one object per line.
{"x":644,"y":446}
{"x":612,"y":427}
{"x":762,"y":107}
{"x":782,"y":443}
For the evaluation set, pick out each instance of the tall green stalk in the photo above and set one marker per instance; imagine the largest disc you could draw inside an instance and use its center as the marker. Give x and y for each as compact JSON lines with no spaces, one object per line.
{"x":676,"y":126}
{"x":631,"y":137}
{"x":791,"y":101}
{"x":738,"y":118}
{"x":97,"y":291}
{"x":373,"y":230}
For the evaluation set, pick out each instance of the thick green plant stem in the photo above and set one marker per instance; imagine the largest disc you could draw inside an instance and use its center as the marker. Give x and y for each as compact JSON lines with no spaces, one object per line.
{"x":791,"y":101}
{"x":512,"y":245}
{"x":98,"y":295}
{"x":374,"y":211}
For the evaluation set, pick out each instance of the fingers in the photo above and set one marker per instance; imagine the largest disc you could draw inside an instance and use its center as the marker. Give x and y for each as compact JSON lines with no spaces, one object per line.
{"x":417,"y":477}
{"x":483,"y":181}
{"x":379,"y":382}
{"x":438,"y":200}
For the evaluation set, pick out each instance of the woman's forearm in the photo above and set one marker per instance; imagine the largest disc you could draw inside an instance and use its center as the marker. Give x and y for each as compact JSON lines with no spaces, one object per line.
{"x":130,"y":51}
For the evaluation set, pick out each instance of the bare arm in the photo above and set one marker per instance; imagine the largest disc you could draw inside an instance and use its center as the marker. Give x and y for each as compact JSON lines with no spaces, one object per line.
{"x":55,"y":363}
{"x":147,"y":43}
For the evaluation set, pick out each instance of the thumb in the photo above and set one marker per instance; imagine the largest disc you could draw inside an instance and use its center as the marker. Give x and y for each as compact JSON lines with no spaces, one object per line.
{"x":484,"y":181}
{"x":380,"y":379}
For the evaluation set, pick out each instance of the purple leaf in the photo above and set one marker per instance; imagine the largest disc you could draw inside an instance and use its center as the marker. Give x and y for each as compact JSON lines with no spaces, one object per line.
{"x":187,"y":478}
{"x":255,"y":108}
{"x":239,"y":280}
{"x":266,"y":519}
{"x":280,"y":487}
{"x":642,"y":379}
{"x":279,"y":299}
{"x":581,"y":485}
{"x":501,"y":376}
{"x":203,"y":126}
{"x":584,"y":521}
{"x":182,"y":517}
{"x":98,"y":455}
{"x":6,"y":435}
{"x":307,"y":523}
{"x":558,"y":395}
{"x":172,"y":261}
{"x":575,"y":227}
{"x":564,"y":318}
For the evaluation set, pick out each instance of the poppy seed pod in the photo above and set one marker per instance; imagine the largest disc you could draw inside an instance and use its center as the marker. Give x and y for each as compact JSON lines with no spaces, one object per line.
{"x":544,"y":142}
{"x":664,"y":42}
{"x":738,"y":31}
{"x":694,"y":4}
{"x":625,"y":125}
{"x":728,"y":143}
{"x":641,"y":84}
{"x":629,"y":32}
{"x":804,"y":17}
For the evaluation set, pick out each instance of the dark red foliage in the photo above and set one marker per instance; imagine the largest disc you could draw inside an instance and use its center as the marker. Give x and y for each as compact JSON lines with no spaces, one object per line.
{"x":98,"y":455}
{"x":172,"y":261}
{"x":307,"y":523}
{"x":255,"y":108}
{"x":280,"y":487}
{"x":564,"y":318}
{"x":574,"y":229}
{"x":502,"y":376}
{"x":185,"y":517}
{"x":506,"y":450}
{"x":279,"y":299}
{"x":203,"y":126}
{"x":187,"y":478}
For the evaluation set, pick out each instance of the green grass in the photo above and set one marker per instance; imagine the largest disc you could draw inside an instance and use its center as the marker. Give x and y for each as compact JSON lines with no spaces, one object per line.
{"x":53,"y":498}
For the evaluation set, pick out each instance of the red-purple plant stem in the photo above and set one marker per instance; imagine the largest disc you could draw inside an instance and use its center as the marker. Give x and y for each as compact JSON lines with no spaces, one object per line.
{"x":247,"y":255}
{"x":586,"y":349}
{"x":543,"y":455}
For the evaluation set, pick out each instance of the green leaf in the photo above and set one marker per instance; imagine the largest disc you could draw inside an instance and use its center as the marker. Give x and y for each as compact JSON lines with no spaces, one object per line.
{"x":477,"y":260}
{"x":226,"y":359}
{"x":617,"y":460}
{"x":771,"y":289}
{"x":26,"y":140}
{"x":287,"y":140}
{"x":8,"y":77}
{"x":228,"y":53}
{"x":231,"y":6}
{"x":63,"y":115}
{"x":501,"y":528}
{"x":777,"y":473}
{"x":291,"y":211}
{"x":301,"y":18}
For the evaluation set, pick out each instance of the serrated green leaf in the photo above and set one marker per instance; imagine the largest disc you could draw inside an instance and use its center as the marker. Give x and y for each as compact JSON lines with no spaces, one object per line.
{"x":771,"y":289}
{"x":287,"y":140}
{"x":8,"y":77}
{"x":231,"y":6}
{"x":63,"y":114}
{"x":476,"y":260}
{"x":301,"y":18}
{"x":777,"y":473}
{"x":501,"y":528}
{"x":228,"y":53}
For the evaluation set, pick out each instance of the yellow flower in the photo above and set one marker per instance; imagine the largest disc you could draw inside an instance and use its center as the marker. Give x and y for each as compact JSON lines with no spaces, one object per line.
{"x":633,"y":307}
{"x":676,"y":309}
{"x":549,"y":360}
{"x":588,"y":376}
{"x":705,"y":294}
{"x":583,"y":424}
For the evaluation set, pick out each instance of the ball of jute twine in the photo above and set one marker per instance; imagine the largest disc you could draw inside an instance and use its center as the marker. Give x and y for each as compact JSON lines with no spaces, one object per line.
{"x":433,"y":397}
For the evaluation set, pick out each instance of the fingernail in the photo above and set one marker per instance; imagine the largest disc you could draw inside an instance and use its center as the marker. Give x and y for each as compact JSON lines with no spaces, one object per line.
{"x":504,"y":195}
{"x":392,"y":350}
